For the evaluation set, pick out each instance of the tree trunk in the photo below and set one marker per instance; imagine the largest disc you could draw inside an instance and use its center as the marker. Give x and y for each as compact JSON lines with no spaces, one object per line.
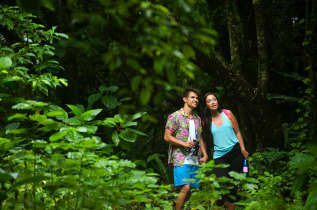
{"x":236,"y":61}
{"x":310,"y":17}
{"x":262,"y":50}
{"x":232,"y":24}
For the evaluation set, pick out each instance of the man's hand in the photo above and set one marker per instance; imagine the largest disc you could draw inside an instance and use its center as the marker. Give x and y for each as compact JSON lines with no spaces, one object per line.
{"x":203,"y":160}
{"x":189,"y":144}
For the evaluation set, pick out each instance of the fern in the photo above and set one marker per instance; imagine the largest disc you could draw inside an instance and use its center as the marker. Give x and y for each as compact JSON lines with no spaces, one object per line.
{"x":158,"y":164}
{"x":272,"y":155}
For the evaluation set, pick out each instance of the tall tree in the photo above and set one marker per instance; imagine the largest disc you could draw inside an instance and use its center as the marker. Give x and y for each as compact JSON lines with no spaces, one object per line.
{"x":252,"y":84}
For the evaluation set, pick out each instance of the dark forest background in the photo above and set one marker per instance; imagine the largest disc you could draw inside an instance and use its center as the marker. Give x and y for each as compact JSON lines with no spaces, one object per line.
{"x":87,"y":85}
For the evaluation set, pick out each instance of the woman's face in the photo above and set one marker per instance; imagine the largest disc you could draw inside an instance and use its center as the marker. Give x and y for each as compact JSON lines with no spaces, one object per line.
{"x":212,"y":103}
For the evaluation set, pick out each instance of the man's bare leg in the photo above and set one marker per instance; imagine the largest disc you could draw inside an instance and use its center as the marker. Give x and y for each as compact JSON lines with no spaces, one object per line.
{"x":185,"y":189}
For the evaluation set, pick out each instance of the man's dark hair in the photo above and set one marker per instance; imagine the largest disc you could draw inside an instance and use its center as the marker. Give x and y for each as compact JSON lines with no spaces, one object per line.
{"x":188,"y":90}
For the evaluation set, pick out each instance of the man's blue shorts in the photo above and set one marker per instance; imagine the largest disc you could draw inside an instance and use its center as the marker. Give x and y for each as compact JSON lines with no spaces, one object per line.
{"x":185,"y":172}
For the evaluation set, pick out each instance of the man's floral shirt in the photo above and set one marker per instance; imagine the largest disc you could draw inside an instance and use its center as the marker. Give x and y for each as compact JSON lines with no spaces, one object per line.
{"x":178,"y":123}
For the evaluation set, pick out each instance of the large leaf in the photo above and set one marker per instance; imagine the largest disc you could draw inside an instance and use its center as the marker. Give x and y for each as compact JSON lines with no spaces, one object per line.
{"x":138,"y":115}
{"x":311,"y":202}
{"x":92,"y":99}
{"x":109,"y":101}
{"x":301,"y":161}
{"x":145,"y":96}
{"x":11,"y":79}
{"x":57,"y":136}
{"x":17,"y":131}
{"x":5,"y":63}
{"x":22,"y":106}
{"x":103,"y":89}
{"x":11,"y":126}
{"x":90,"y":115}
{"x":128,"y":136}
{"x":75,"y":109}
{"x":36,"y":103}
{"x":87,"y":129}
{"x":72,"y":121}
{"x":298,"y":183}
{"x":136,"y":132}
{"x":115,"y":138}
{"x":17,"y":116}
{"x":109,"y":123}
{"x":54,"y":113}
{"x":128,"y":124}
{"x":54,"y":109}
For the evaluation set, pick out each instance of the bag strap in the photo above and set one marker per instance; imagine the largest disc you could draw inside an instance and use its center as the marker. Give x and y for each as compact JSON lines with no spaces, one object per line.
{"x":227,"y":114}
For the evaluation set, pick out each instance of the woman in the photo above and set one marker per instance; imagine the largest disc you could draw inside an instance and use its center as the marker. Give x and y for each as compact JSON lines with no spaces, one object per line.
{"x":223,"y":133}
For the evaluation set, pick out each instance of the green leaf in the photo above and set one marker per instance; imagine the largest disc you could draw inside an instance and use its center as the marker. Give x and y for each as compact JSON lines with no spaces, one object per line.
{"x":54,"y":113}
{"x":298,"y":183}
{"x":109,"y":101}
{"x":145,"y":96}
{"x":103,"y":89}
{"x":16,"y":131}
{"x":138,"y":115}
{"x":301,"y":161}
{"x":133,"y":63}
{"x":9,"y":23}
{"x":5,"y":63}
{"x":49,"y":4}
{"x":87,"y":129}
{"x":17,"y":116}
{"x":135,"y":83}
{"x":92,"y":99}
{"x":311,"y":202}
{"x":115,"y":138}
{"x":153,"y":157}
{"x":11,"y":126}
{"x":54,"y":108}
{"x":11,"y":79}
{"x":34,"y":179}
{"x":236,"y":175}
{"x":90,"y":115}
{"x":128,"y":124}
{"x":125,"y":99}
{"x":36,"y":103}
{"x":109,"y":123}
{"x":159,"y":64}
{"x":128,"y":136}
{"x":136,"y":132}
{"x":5,"y":177}
{"x":72,"y":121}
{"x":57,"y":136}
{"x":75,"y":110}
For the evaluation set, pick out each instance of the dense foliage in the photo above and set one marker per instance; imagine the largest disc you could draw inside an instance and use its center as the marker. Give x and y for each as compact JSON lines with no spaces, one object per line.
{"x":86,"y":87}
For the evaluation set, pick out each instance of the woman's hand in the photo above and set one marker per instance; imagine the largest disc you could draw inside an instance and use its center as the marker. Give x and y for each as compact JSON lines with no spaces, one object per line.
{"x":203,"y":160}
{"x":245,"y":154}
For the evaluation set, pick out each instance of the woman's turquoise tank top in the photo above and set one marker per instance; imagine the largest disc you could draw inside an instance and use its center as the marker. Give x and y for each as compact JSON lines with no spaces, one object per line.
{"x":224,"y":137}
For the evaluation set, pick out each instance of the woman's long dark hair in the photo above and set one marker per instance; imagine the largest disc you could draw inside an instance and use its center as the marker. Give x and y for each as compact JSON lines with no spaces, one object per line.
{"x":206,"y":122}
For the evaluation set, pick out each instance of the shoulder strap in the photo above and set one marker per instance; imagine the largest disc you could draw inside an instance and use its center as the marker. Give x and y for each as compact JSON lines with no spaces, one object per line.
{"x":227,"y":114}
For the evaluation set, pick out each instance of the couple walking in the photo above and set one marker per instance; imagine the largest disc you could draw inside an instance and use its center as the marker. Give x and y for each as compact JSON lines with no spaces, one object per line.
{"x":219,"y":128}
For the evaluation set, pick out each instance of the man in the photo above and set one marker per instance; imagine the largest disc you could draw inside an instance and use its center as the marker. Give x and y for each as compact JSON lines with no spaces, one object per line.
{"x":182,"y":129}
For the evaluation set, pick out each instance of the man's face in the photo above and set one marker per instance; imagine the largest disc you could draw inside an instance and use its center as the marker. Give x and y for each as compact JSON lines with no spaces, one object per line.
{"x":192,"y":100}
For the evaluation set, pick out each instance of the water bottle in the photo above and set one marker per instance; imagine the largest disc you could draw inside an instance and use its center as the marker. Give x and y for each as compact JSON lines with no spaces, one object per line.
{"x":245,"y":169}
